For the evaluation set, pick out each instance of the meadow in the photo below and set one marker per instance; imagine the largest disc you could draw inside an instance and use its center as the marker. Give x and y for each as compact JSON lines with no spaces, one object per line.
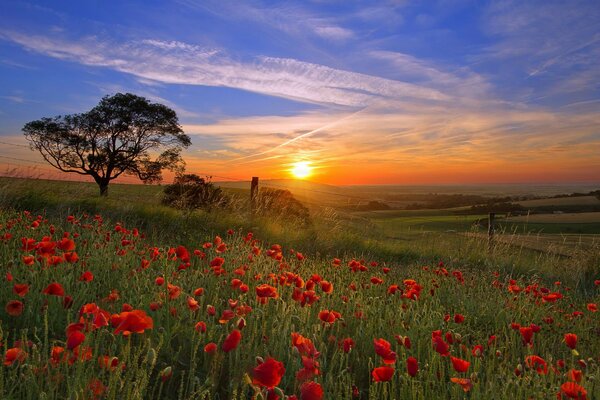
{"x":121,"y":298}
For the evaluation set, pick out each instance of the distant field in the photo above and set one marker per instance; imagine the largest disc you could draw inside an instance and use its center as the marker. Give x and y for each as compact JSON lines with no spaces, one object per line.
{"x":562,"y":201}
{"x":580,"y":218}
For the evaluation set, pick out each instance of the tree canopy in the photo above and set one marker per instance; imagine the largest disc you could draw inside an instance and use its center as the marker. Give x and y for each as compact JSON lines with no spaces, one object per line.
{"x":123,"y":134}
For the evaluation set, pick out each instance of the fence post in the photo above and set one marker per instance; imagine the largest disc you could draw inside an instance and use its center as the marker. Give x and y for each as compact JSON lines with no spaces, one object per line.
{"x":491,"y":229}
{"x":253,"y":194}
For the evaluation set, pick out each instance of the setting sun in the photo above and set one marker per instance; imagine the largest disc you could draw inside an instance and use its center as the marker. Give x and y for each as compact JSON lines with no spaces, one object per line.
{"x":301,"y":169}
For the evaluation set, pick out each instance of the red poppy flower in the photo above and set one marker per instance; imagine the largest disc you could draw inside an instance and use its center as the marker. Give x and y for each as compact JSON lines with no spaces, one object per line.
{"x":575,"y":375}
{"x":135,"y":321}
{"x":210,"y":348}
{"x":54,"y":289}
{"x":265,"y":291}
{"x":465,"y":383}
{"x":66,"y":244}
{"x":231,"y":341}
{"x":268,"y":373}
{"x":16,"y":354}
{"x":537,"y":363}
{"x":571,"y":340}
{"x":311,"y":391}
{"x":592,"y":307}
{"x":326,"y":287}
{"x":192,"y":304}
{"x":382,"y":374}
{"x":14,"y":308}
{"x":20,"y":289}
{"x":347,"y":344}
{"x":200,"y":327}
{"x":87,"y":276}
{"x":573,"y":391}
{"x":439,"y":345}
{"x":384,"y":350}
{"x":329,"y":316}
{"x":28,"y":260}
{"x":75,"y":339}
{"x":412,"y":366}
{"x":459,"y":318}
{"x":304,"y":345}
{"x":460,"y":365}
{"x":526,"y":335}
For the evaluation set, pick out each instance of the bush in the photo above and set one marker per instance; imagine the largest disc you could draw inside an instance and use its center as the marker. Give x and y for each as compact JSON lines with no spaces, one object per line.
{"x":280,"y":203}
{"x":190,"y":192}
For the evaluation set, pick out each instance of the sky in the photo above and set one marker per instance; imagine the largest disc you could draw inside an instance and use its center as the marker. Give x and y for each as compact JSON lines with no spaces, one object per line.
{"x":365,"y":92}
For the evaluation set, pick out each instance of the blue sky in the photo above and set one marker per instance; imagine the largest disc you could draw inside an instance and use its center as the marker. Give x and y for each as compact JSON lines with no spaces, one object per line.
{"x":367,"y":92}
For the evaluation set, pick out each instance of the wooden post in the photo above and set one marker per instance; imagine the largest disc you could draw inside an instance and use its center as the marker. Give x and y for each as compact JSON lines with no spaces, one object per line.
{"x":253,"y":194}
{"x":491,"y":227}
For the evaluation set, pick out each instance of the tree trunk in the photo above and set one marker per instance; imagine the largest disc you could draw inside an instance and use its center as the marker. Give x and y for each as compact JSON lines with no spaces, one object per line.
{"x":103,"y":184}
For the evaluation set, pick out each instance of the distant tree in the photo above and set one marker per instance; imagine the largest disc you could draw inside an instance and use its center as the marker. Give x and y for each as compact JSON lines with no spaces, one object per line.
{"x":190,"y":192}
{"x":123,"y":134}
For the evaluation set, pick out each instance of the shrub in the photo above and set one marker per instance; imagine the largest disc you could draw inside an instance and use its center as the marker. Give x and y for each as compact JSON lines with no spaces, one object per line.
{"x":190,"y":192}
{"x":280,"y":203}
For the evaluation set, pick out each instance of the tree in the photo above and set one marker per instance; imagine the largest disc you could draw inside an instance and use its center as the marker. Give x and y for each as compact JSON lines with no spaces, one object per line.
{"x":123,"y":134}
{"x":190,"y":192}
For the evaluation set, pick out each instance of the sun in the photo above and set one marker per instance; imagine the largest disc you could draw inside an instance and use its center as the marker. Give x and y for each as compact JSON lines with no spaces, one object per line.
{"x":301,"y":169}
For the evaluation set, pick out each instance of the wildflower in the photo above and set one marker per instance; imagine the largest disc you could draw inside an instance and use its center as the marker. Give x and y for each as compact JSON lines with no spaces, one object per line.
{"x":268,"y":373}
{"x":382,"y":374}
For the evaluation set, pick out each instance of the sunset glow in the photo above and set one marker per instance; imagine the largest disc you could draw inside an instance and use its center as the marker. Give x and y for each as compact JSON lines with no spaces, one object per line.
{"x":301,"y":170}
{"x":372,"y":92}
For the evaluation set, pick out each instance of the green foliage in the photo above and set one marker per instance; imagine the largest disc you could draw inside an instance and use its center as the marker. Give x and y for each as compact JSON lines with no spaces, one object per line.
{"x":191,"y":192}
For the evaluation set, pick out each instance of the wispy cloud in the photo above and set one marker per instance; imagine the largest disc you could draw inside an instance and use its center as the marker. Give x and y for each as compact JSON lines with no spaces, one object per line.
{"x":178,"y":63}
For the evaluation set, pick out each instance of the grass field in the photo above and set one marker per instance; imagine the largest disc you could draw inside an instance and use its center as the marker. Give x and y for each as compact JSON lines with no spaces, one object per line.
{"x":354,"y":306}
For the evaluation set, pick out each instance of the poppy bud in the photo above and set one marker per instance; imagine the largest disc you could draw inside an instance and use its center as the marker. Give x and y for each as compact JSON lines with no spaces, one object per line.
{"x":166,"y":373}
{"x":151,"y":356}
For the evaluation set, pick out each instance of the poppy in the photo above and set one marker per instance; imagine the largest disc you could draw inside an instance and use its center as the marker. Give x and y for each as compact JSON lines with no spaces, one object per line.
{"x":382,"y":374}
{"x":465,"y":383}
{"x":75,"y":339}
{"x":326,"y":287}
{"x":460,"y":365}
{"x":329,"y":316}
{"x":54,"y":289}
{"x":412,"y":366}
{"x":304,"y":345}
{"x":14,"y":308}
{"x":526,"y":335}
{"x":231,"y":341}
{"x":20,"y":289}
{"x":16,"y":354}
{"x":537,"y":363}
{"x":210,"y":348}
{"x":135,"y":321}
{"x":459,"y":318}
{"x":571,"y":340}
{"x":592,"y":307}
{"x":200,"y":327}
{"x":347,"y":344}
{"x":311,"y":391}
{"x":192,"y":304}
{"x":439,"y":345}
{"x":384,"y":350}
{"x":87,"y":276}
{"x":264,"y":292}
{"x":268,"y":373}
{"x":575,"y":375}
{"x":573,"y":391}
